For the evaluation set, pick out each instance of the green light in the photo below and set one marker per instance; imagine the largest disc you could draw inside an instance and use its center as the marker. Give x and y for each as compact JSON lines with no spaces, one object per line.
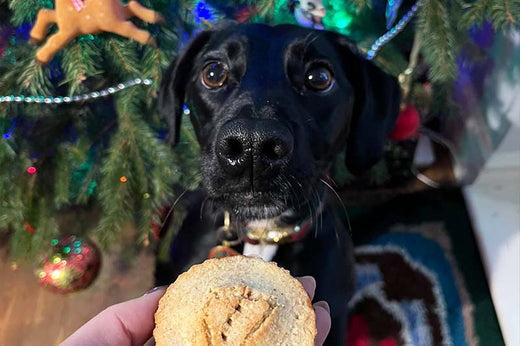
{"x":66,"y":249}
{"x":91,"y":187}
{"x":342,"y":20}
{"x":77,"y":243}
{"x":54,"y":242}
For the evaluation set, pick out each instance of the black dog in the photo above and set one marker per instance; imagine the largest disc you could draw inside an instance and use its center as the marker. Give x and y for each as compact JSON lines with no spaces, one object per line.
{"x":271,"y":107}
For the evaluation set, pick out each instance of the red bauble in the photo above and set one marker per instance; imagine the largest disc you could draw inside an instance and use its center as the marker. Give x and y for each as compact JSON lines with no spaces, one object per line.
{"x":71,"y":265}
{"x":407,"y":124}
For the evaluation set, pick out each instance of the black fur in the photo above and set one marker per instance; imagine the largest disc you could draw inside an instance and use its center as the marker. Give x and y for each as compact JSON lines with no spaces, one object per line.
{"x":267,"y":139}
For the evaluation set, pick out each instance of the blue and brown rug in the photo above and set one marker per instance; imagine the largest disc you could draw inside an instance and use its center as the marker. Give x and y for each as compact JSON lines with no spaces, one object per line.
{"x":420,"y":280}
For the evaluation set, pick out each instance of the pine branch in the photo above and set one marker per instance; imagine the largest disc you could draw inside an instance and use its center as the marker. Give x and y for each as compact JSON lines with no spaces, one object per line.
{"x":504,"y":14}
{"x":114,"y":195}
{"x":122,"y":56}
{"x":187,"y":158}
{"x":11,"y":204}
{"x":80,"y":61}
{"x":45,"y":227}
{"x":437,"y":35}
{"x":34,"y":78}
{"x":475,"y":12}
{"x":69,"y":158}
{"x":25,"y":10}
{"x":361,"y":4}
{"x":19,"y":73}
{"x":34,"y":229}
{"x":265,"y":8}
{"x":152,"y":61}
{"x":145,"y":163}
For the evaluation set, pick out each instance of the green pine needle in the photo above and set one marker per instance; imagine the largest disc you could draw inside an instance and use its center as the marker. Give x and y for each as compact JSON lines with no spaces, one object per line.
{"x":438,"y":40}
{"x":80,"y":61}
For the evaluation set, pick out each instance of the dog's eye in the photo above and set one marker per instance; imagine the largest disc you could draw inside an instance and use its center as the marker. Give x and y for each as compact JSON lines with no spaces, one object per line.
{"x":318,"y":78}
{"x":214,"y":75}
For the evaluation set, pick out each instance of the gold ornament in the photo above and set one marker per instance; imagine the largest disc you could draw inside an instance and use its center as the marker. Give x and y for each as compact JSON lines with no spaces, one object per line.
{"x":83,"y":17}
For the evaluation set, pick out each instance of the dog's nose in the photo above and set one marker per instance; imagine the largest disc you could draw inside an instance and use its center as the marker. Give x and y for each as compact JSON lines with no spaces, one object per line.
{"x":260,"y":144}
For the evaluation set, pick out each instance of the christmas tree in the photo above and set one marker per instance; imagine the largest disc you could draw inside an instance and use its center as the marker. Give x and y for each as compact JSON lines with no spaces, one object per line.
{"x":80,"y":130}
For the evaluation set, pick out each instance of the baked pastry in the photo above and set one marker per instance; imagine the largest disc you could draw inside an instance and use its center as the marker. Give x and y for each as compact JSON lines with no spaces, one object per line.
{"x":235,"y":300}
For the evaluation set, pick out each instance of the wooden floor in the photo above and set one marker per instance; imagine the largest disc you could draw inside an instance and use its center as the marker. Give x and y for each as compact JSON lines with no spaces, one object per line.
{"x":31,"y":315}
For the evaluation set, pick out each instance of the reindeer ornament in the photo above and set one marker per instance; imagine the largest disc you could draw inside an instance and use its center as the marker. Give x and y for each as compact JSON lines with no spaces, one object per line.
{"x":83,"y":17}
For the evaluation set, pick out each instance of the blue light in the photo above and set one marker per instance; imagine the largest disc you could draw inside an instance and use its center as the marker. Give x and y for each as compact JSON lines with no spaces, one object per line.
{"x":23,"y":31}
{"x":9,"y":133}
{"x":203,"y":11}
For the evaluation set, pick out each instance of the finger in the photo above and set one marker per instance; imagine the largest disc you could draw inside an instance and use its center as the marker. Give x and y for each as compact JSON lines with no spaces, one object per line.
{"x":127,"y":323}
{"x":323,"y":323}
{"x":309,"y":284}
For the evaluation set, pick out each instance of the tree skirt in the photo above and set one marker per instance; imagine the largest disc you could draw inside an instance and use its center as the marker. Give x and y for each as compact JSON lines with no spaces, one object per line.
{"x":421,"y":282}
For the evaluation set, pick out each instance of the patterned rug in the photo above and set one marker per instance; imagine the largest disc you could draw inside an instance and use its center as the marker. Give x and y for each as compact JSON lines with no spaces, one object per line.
{"x":420,"y":282}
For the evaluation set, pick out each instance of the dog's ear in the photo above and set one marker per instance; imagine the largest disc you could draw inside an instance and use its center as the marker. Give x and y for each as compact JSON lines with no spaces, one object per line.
{"x":377,"y":97}
{"x":173,"y":84}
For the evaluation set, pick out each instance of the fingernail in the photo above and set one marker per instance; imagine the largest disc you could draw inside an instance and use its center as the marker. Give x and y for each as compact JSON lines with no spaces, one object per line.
{"x":323,"y":304}
{"x":158,"y":288}
{"x":309,"y":278}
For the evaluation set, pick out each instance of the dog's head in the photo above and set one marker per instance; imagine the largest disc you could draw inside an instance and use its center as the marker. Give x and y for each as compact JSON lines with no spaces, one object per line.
{"x":272,"y":106}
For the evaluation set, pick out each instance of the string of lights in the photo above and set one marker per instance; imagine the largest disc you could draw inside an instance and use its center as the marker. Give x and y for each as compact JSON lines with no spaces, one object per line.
{"x":77,"y":98}
{"x":390,"y":34}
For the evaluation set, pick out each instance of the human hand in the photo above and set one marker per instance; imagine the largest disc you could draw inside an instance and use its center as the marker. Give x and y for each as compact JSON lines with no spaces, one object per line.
{"x":132,"y":322}
{"x":321,"y":309}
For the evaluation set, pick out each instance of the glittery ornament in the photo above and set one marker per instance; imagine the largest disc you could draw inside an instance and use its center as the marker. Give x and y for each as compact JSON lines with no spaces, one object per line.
{"x":392,"y":8}
{"x":308,"y":13}
{"x":71,"y":265}
{"x":74,"y":18}
{"x":407,"y":124}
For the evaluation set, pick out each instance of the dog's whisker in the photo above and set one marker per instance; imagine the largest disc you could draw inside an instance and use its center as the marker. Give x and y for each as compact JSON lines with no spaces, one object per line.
{"x":287,"y":184}
{"x":314,"y":196}
{"x":332,"y":181}
{"x":317,"y":206}
{"x":341,"y":202}
{"x":296,"y":194}
{"x":308,"y":197}
{"x":291,"y":191}
{"x":319,"y":225}
{"x":309,"y":39}
{"x":335,"y":224}
{"x":170,"y":211}
{"x":302,"y":190}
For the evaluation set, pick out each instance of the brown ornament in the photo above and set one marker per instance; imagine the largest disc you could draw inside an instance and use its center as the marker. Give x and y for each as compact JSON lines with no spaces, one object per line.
{"x":83,"y":17}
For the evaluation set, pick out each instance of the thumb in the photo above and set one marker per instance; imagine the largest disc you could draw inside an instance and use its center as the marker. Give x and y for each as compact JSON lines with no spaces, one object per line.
{"x":127,"y":323}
